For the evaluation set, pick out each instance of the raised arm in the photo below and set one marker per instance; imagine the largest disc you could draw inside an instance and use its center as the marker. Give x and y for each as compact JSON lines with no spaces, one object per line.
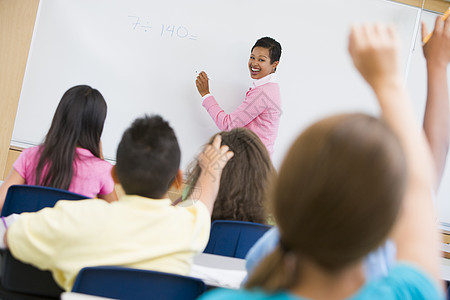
{"x":256,"y":102}
{"x":374,"y":50}
{"x":437,"y":112}
{"x":212,"y":161}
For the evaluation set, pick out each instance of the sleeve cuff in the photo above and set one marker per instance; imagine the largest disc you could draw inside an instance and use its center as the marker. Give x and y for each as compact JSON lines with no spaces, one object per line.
{"x":206,"y":96}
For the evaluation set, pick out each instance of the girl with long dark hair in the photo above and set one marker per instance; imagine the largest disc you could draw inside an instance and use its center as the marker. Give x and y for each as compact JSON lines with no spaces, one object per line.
{"x":70,"y":157}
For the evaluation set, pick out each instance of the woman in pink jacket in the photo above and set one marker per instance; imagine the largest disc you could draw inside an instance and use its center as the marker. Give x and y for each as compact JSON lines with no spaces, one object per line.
{"x":261,"y":109}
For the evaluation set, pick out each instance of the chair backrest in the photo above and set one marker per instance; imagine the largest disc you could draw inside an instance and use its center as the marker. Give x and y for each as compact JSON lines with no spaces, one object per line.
{"x":15,"y":275}
{"x":135,"y":284}
{"x":30,"y":198}
{"x":234,"y":238}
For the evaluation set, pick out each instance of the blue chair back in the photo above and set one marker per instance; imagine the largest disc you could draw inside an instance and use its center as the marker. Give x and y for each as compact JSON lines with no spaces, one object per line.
{"x":234,"y":238}
{"x":19,"y":277}
{"x":31,"y":198}
{"x":135,"y":284}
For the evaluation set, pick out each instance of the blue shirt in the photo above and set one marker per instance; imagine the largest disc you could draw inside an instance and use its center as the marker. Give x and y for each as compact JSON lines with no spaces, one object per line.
{"x":404,"y":282}
{"x":376,"y":264}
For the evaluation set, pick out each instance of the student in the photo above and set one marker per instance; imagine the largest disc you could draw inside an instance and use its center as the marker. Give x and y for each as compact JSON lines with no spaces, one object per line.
{"x":375,"y":179}
{"x":437,"y":130}
{"x":70,"y":157}
{"x":261,"y":108}
{"x":141,"y":230}
{"x":244,"y":180}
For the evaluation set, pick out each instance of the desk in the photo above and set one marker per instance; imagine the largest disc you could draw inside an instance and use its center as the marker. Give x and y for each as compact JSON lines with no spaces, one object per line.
{"x":228,"y":272}
{"x":219,"y":271}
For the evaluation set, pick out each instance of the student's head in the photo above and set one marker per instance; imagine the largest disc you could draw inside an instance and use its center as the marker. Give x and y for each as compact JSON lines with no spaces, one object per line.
{"x":244,"y":179}
{"x":337,"y":197}
{"x":264,"y":58}
{"x":78,"y":122}
{"x":148,"y":158}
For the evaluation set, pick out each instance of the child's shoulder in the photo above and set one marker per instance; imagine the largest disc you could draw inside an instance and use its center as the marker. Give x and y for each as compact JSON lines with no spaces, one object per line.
{"x":31,"y":150}
{"x":30,"y":153}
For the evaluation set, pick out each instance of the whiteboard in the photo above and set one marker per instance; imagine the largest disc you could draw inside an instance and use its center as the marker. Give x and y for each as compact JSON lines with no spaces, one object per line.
{"x":143,"y":57}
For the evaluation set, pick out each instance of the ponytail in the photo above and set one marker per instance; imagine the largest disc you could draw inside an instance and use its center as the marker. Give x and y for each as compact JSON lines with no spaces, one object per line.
{"x":280,"y":270}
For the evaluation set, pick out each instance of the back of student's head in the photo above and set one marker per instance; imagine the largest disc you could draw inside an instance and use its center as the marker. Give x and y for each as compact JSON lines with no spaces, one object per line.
{"x":77,"y":122}
{"x":272,"y":45}
{"x":337,"y":197}
{"x":245,"y":179}
{"x":148,"y":157}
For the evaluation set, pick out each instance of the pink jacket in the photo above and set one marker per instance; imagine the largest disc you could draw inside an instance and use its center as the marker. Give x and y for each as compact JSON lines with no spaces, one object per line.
{"x":260,"y":112}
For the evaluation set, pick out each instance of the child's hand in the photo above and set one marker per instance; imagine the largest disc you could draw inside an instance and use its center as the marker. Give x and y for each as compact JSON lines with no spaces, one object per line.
{"x":214,"y":158}
{"x":212,"y":161}
{"x":202,"y":84}
{"x":437,"y":49}
{"x":374,"y":50}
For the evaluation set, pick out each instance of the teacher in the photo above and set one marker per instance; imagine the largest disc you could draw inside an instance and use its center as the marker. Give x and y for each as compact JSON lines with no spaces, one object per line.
{"x":261,"y":109}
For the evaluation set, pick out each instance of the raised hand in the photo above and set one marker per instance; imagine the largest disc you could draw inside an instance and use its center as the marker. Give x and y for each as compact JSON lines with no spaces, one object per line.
{"x":437,"y":49}
{"x":212,"y":161}
{"x":374,"y":50}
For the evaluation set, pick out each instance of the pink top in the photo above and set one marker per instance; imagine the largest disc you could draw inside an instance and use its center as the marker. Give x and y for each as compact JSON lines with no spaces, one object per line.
{"x":260,"y":111}
{"x":91,"y":175}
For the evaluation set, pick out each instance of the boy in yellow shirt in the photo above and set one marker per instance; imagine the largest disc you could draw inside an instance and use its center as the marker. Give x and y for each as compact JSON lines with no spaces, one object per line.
{"x":141,"y":230}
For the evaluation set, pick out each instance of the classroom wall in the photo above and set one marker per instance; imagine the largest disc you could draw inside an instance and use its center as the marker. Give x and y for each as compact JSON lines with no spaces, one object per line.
{"x":17,"y":19}
{"x":16,"y":28}
{"x":12,"y":156}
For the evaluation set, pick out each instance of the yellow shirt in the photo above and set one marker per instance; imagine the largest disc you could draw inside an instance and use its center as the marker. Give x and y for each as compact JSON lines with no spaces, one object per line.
{"x":134,"y":232}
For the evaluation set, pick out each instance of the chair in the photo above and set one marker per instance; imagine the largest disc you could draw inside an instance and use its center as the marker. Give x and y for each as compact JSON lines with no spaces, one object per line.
{"x":17,"y":278}
{"x":135,"y":284}
{"x":234,"y":238}
{"x":30,"y":198}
